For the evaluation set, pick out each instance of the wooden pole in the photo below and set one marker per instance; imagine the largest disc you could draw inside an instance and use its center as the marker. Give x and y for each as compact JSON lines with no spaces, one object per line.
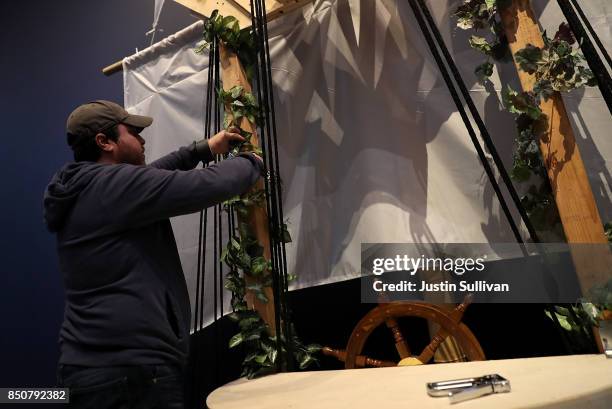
{"x":568,"y":178}
{"x":232,"y":74}
{"x":237,"y":8}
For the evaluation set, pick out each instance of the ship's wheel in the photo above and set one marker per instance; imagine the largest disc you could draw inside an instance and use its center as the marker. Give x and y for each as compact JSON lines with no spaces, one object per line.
{"x":448,"y":323}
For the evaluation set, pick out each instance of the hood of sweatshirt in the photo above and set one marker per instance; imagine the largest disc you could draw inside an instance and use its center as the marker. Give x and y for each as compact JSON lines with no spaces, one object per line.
{"x":63,"y":191}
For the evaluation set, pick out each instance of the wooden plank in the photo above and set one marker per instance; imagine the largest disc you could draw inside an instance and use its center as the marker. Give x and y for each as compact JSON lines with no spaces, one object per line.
{"x":566,"y":172}
{"x":232,"y":74}
{"x":241,"y":8}
{"x":237,"y":8}
{"x":225,"y":7}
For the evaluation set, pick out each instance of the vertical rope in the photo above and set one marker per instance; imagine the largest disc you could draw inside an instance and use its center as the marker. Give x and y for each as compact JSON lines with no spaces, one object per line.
{"x":276,"y":201}
{"x":588,"y":25}
{"x":202,"y":234}
{"x":484,"y":133}
{"x":277,"y":187}
{"x":258,"y":86}
{"x":604,"y":81}
{"x":267,"y":129}
{"x":487,"y":167}
{"x":217,"y":271}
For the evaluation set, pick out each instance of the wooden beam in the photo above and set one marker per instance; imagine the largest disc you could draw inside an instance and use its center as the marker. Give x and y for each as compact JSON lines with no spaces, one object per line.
{"x":232,"y":74}
{"x":241,"y":8}
{"x":566,"y":172}
{"x":225,"y":7}
{"x":237,"y":8}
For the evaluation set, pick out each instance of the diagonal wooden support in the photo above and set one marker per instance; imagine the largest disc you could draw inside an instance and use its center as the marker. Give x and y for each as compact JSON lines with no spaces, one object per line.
{"x":237,"y":8}
{"x":241,"y":9}
{"x":568,"y":178}
{"x":232,"y":74}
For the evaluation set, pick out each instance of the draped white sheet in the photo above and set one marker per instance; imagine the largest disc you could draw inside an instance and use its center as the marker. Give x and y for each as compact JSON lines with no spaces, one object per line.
{"x":370,"y":143}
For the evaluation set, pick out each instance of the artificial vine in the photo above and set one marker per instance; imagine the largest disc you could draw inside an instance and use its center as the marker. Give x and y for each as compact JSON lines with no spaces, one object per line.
{"x":227,"y":30}
{"x":556,"y":67}
{"x":249,"y":269}
{"x":478,"y":15}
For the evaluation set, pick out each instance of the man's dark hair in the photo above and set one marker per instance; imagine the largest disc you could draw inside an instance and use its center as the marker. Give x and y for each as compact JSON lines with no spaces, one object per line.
{"x":86,"y":148}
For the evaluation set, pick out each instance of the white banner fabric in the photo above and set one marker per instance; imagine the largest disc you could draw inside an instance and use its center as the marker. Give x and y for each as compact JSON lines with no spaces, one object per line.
{"x":371,"y":147}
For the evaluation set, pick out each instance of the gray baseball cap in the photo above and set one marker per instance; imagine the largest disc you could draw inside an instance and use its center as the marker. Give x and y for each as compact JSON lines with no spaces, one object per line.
{"x":97,"y":116}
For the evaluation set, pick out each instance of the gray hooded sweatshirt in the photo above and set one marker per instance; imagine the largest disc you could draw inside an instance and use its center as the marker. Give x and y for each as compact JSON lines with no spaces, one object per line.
{"x":126,"y":297}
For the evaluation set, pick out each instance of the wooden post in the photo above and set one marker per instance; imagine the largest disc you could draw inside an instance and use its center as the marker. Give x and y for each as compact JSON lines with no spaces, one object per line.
{"x":568,"y":178}
{"x":232,"y":74}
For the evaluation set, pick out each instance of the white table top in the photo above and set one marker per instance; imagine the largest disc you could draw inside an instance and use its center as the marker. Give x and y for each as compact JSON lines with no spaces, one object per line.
{"x":577,"y":381}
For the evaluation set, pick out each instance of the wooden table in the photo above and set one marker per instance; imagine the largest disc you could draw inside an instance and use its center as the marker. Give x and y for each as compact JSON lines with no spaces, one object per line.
{"x":562,"y":382}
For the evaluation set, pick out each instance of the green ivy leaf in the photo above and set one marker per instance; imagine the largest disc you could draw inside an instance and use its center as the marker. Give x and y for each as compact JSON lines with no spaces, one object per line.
{"x":236,"y":91}
{"x":236,"y":340}
{"x":272,"y":354}
{"x":543,"y":89}
{"x":249,"y":99}
{"x":520,"y":171}
{"x":608,"y":231}
{"x":480,"y":44}
{"x":484,"y":71}
{"x":306,"y":360}
{"x":229,"y":21}
{"x":253,"y":336}
{"x":521,"y":103}
{"x":261,"y":359}
{"x":314,"y":348}
{"x":528,"y":58}
{"x":224,"y":254}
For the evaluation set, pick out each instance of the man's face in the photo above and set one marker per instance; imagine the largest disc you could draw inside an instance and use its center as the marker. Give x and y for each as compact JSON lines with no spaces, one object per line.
{"x":130,"y":145}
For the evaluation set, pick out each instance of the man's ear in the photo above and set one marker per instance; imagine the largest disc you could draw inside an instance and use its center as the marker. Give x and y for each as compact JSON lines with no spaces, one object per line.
{"x":104,"y":142}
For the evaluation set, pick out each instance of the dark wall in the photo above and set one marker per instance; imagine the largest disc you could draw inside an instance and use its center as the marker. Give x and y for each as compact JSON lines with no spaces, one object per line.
{"x":51,"y":56}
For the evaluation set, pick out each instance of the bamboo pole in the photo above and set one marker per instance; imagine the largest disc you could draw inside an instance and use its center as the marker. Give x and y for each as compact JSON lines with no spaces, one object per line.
{"x":232,"y":74}
{"x":565,"y":168}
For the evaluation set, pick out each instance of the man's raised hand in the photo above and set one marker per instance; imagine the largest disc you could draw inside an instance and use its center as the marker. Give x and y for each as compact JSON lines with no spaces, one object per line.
{"x":222,"y":142}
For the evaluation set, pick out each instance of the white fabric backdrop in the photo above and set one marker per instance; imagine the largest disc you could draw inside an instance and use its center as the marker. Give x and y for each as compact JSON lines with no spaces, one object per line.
{"x":370,"y":143}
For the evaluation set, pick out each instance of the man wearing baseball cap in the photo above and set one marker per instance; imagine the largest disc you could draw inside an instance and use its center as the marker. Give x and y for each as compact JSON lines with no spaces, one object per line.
{"x":124,"y":338}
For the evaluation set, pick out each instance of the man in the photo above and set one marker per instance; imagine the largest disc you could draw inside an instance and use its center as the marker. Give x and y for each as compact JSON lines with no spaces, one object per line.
{"x":124,"y":338}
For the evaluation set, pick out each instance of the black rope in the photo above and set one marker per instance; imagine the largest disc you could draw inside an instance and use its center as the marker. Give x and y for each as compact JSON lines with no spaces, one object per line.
{"x":272,"y":186}
{"x":277,"y":197}
{"x":218,"y":281}
{"x":604,"y":81}
{"x":487,"y":167}
{"x":266,"y":138}
{"x":484,"y":133}
{"x":276,"y":182}
{"x":202,"y":233}
{"x":588,"y":25}
{"x":263,"y":128}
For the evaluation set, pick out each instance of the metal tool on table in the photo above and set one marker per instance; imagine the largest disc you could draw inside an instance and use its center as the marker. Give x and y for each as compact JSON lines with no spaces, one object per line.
{"x":459,"y":390}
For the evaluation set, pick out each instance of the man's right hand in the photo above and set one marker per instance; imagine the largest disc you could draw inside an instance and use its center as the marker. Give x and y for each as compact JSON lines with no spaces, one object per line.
{"x":221,"y":143}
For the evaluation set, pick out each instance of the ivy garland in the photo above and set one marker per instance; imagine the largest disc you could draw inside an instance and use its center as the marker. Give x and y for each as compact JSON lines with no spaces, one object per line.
{"x":556,"y":67}
{"x":243,"y":254}
{"x":478,"y":15}
{"x":227,"y":29}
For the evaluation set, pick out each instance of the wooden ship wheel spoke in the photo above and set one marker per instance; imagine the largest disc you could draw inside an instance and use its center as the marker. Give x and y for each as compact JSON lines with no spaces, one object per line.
{"x":449,"y":323}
